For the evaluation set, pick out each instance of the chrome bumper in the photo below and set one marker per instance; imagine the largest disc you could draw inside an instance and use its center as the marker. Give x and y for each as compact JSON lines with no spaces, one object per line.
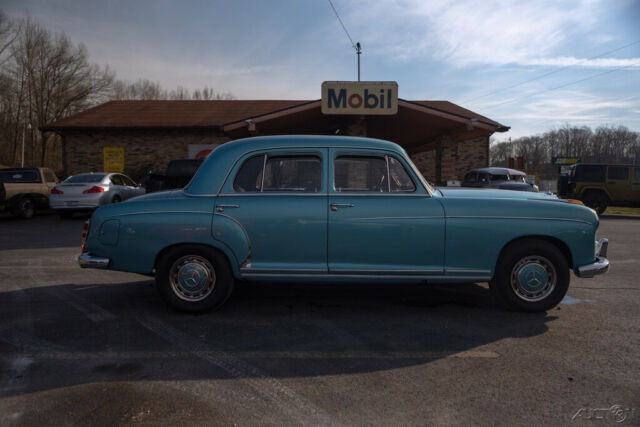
{"x":86,"y":260}
{"x":602,"y":263}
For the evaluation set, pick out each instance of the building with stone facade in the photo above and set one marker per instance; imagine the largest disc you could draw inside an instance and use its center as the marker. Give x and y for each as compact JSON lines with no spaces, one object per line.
{"x":443,"y":139}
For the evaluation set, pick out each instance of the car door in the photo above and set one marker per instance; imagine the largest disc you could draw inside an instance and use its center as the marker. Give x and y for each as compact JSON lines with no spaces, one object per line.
{"x":382,"y":221}
{"x":618,"y":183}
{"x":117,"y":187}
{"x":279,"y":198}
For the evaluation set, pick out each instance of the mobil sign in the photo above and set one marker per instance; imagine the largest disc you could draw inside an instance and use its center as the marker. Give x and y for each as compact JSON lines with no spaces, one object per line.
{"x":359,"y":98}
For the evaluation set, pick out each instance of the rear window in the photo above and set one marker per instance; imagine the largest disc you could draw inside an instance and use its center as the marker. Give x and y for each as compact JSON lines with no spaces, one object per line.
{"x":499,"y":178}
{"x":85,"y":177}
{"x":23,"y":176}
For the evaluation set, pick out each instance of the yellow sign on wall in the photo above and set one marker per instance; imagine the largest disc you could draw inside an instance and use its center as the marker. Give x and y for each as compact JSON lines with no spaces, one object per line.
{"x":113,"y":159}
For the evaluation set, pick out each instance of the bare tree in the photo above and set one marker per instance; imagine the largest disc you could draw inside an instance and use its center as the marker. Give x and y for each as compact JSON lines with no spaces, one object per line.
{"x":144,"y":89}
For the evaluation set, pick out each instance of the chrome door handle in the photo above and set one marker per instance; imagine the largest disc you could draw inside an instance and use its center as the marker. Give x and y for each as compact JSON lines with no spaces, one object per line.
{"x":335,"y":206}
{"x":220,"y":208}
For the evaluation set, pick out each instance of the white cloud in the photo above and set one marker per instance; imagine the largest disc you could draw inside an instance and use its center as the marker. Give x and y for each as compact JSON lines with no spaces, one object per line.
{"x":465,"y":33}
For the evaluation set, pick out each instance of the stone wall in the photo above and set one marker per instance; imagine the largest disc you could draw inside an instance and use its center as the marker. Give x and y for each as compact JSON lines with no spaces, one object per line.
{"x":143,"y":150}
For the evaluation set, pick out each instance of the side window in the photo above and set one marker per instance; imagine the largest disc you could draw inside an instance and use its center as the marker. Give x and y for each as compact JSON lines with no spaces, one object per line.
{"x":301,"y":173}
{"x":49,"y":176}
{"x":590,"y":173}
{"x":293,"y":173}
{"x":483,"y":177}
{"x":116,"y":180}
{"x":354,"y":173}
{"x":249,"y":177}
{"x":400,"y":179}
{"x":127,"y":181}
{"x":471,"y":177}
{"x":618,"y":172}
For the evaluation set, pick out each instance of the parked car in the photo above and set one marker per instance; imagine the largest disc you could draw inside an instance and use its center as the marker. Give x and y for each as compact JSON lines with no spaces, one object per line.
{"x":600,"y":185}
{"x":503,"y":178}
{"x":341,"y":209}
{"x":87,"y":191}
{"x":23,"y":190}
{"x":178,"y":174}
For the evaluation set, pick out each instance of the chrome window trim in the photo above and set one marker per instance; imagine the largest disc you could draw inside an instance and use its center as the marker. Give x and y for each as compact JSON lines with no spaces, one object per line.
{"x":329,"y":146}
{"x":264,"y":166}
{"x":386,"y":159}
{"x":386,"y":156}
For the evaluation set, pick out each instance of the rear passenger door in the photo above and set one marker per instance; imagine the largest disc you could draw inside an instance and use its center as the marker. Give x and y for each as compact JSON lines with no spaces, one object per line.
{"x":382,"y":221}
{"x":279,"y":198}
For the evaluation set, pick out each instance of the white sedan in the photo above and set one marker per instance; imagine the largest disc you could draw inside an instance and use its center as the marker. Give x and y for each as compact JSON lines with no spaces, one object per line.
{"x":87,"y":191}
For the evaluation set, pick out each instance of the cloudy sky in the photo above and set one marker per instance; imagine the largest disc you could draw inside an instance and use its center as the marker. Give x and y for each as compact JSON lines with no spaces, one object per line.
{"x":531,"y":65}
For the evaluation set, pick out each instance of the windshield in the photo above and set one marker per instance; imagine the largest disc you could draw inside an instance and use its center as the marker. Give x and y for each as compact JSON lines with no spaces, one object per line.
{"x":85,"y":177}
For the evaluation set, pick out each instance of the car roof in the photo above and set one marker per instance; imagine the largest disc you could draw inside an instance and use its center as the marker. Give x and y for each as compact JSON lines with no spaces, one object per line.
{"x":498,"y":171}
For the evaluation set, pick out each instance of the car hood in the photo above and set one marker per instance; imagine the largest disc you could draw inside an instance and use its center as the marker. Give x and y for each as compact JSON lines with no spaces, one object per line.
{"x":494,"y":203}
{"x":493,"y":193}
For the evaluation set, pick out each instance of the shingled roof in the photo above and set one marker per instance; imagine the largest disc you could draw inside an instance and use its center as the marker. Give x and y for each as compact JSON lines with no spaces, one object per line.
{"x":173,"y":114}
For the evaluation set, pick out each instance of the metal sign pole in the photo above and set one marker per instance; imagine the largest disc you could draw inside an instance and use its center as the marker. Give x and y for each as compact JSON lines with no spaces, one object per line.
{"x":358,"y":51}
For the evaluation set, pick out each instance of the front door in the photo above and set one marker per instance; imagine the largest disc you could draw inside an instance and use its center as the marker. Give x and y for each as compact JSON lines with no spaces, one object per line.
{"x":279,"y":199}
{"x":382,"y":221}
{"x":618,"y":183}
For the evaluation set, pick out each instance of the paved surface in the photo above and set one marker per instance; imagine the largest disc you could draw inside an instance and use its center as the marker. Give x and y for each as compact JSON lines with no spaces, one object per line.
{"x":82,"y":347}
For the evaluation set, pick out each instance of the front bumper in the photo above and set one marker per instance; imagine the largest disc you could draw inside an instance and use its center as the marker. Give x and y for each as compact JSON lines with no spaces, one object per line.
{"x":86,"y":260}
{"x":600,"y":266}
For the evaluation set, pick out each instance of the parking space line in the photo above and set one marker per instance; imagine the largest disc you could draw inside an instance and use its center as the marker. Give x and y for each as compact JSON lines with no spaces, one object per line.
{"x":294,"y":405}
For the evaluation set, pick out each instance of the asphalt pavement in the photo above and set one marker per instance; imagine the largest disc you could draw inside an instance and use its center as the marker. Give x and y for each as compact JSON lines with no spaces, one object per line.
{"x":91,"y":347}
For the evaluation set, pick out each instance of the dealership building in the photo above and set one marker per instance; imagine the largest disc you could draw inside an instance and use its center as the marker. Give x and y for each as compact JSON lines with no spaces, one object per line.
{"x":443,"y":139}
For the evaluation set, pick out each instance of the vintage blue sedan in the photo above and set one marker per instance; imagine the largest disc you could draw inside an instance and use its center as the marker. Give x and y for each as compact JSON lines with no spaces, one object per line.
{"x":341,"y":209}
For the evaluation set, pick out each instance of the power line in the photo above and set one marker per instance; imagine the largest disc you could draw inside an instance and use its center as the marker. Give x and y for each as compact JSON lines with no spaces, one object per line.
{"x":566,"y":84}
{"x":551,"y":72}
{"x":343,"y":27}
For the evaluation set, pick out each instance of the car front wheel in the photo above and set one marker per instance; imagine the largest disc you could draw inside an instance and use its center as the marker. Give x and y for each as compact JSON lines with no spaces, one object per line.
{"x":531,"y":275}
{"x":194,"y":278}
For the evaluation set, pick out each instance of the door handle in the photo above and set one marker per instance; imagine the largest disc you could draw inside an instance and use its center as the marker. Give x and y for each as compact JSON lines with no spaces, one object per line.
{"x":221,"y":208}
{"x":335,"y":206}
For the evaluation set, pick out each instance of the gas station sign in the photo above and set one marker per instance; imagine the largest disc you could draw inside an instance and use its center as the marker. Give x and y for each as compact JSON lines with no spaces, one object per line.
{"x":370,"y":98}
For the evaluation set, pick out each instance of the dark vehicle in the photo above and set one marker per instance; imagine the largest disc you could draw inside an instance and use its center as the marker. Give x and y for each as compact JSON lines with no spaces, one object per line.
{"x":23,"y":190}
{"x":178,"y":174}
{"x":502,"y":178}
{"x":600,"y":185}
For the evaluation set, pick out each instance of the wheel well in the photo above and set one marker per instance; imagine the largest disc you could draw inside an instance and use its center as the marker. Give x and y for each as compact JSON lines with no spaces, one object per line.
{"x":597,"y":191}
{"x":170,"y":247}
{"x":559,"y":244}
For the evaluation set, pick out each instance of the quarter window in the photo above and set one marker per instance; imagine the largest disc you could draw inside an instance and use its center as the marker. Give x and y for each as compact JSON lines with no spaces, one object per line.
{"x":116,"y":180}
{"x":400,"y":179}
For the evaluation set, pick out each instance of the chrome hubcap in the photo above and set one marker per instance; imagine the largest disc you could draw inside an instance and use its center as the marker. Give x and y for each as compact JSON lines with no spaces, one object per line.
{"x":533,"y":278}
{"x":192,"y":278}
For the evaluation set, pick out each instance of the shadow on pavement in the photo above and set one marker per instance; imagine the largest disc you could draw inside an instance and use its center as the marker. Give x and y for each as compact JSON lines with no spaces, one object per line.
{"x":59,"y":336}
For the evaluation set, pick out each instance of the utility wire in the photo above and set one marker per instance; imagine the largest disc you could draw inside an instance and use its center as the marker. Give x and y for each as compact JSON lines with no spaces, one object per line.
{"x":566,"y":84}
{"x":343,"y":27}
{"x":550,"y":73}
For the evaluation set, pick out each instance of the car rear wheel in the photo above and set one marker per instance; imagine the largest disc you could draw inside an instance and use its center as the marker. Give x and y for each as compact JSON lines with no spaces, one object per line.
{"x":194,"y":278}
{"x":25,"y":208}
{"x":531,"y":275}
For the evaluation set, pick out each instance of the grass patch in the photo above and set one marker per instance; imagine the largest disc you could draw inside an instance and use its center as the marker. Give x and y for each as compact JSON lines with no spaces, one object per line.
{"x":622,"y":211}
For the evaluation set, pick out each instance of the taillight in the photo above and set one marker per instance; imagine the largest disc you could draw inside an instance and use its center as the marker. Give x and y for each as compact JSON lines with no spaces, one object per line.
{"x":94,"y":189}
{"x":85,"y":233}
{"x":55,"y":190}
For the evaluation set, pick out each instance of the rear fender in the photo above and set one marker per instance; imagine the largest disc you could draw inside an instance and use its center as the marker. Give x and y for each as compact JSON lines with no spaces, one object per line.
{"x":230,"y":232}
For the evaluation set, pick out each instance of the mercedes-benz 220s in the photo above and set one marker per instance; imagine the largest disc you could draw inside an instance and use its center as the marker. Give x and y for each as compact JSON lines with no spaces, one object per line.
{"x":329,"y":209}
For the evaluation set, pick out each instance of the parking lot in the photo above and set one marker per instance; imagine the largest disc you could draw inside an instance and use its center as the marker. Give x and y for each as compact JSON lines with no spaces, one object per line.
{"x":99,"y":347}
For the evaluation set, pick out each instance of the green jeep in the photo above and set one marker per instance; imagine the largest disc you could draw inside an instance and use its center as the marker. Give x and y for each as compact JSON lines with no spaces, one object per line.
{"x":599,"y":186}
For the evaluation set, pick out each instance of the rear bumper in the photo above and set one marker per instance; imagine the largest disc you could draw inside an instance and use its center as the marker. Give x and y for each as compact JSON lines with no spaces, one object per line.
{"x":600,"y":266}
{"x":86,"y":260}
